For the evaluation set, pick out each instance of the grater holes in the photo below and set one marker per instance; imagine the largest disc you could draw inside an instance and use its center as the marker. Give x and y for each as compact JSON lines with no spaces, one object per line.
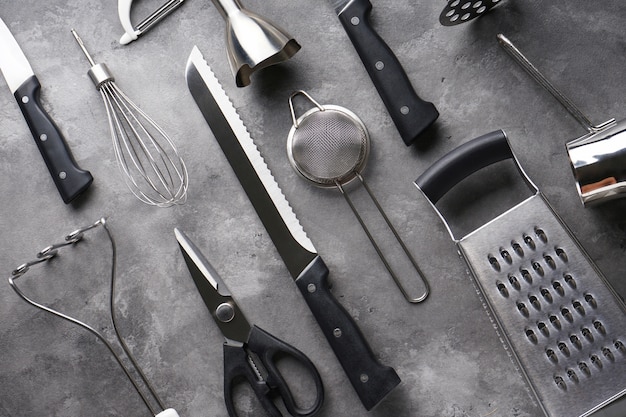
{"x":564,"y":349}
{"x":587,"y":334}
{"x":570,"y":280}
{"x":502,"y":288}
{"x":552,"y":356}
{"x":608,"y":354}
{"x":481,"y":9}
{"x":538,"y":268}
{"x":546,"y":295}
{"x":584,"y":368}
{"x":572,"y":376}
{"x":599,"y":327}
{"x":531,"y":336}
{"x":558,"y":288}
{"x":560,"y":382}
{"x":576,"y":341}
{"x":494,"y":262}
{"x":591,"y":301}
{"x":466,"y":5}
{"x":514,"y":282}
{"x":543,"y":328}
{"x":560,"y":252}
{"x":529,"y":242}
{"x":517,"y":248}
{"x":534,"y":301}
{"x":541,"y":234}
{"x":521,"y":307}
{"x":555,"y":321}
{"x":549,"y":261}
{"x":506,"y":256}
{"x":526,"y":275}
{"x":620,"y":346}
{"x":567,"y":314}
{"x":477,"y":4}
{"x":596,"y":361}
{"x":578,"y":307}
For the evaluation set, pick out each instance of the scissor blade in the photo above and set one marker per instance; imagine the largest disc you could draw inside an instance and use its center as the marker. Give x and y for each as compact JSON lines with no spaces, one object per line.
{"x":217,"y":298}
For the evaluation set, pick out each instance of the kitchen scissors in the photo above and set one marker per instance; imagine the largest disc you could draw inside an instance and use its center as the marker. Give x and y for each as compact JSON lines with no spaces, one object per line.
{"x":250,"y":353}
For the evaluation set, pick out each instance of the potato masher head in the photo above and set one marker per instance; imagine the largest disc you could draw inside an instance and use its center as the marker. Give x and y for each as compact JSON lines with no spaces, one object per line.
{"x":461,"y":11}
{"x":328,"y":146}
{"x":132,"y":33}
{"x":150,"y":397}
{"x":252,"y":41}
{"x":598,"y":159}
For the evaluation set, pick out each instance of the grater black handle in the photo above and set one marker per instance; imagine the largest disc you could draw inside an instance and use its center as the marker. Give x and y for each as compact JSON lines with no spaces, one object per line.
{"x":463,"y":161}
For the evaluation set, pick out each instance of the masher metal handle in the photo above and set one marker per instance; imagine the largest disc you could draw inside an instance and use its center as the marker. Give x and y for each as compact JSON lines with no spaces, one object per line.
{"x":515,"y":53}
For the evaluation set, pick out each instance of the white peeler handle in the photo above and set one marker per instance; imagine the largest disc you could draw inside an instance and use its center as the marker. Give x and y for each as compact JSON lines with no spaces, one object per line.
{"x":170,"y":412}
{"x":123,"y":11}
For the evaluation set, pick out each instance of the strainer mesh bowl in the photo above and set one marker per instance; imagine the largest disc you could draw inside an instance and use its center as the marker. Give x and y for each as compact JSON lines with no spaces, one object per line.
{"x":329,"y":146}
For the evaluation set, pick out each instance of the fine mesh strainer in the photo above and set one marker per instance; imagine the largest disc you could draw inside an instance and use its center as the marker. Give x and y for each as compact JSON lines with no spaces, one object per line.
{"x":329,"y":145}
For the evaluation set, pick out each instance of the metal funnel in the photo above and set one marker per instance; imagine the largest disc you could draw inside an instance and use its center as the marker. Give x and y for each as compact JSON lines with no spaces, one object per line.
{"x":252,"y":41}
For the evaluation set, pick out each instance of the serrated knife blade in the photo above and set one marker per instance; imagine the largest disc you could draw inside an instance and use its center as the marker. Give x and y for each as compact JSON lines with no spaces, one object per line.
{"x":371,"y":380}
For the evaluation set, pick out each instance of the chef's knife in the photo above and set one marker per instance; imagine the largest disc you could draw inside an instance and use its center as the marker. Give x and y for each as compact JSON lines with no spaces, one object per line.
{"x":70,"y":180}
{"x":410,"y":114}
{"x":371,"y":380}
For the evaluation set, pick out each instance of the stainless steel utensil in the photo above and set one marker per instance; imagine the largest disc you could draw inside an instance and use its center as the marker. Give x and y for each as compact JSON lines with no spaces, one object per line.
{"x":328,"y":146}
{"x":132,"y":33}
{"x":461,"y":11}
{"x":563,"y":323}
{"x":598,"y":159}
{"x":153,"y":170}
{"x":52,"y":251}
{"x":252,"y":41}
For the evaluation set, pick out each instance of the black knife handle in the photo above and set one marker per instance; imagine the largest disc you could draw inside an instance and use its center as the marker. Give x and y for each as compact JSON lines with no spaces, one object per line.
{"x":411,"y":114}
{"x":371,"y":380}
{"x":68,"y":177}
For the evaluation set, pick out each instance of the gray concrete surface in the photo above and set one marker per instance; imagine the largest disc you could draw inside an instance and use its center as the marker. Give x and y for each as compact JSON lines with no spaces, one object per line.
{"x":446,"y":351}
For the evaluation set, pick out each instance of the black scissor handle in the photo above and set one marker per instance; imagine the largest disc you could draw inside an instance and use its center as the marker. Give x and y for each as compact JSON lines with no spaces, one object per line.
{"x":267,"y":348}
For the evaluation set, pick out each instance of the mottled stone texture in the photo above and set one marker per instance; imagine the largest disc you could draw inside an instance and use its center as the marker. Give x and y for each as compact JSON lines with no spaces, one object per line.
{"x":446,"y":351}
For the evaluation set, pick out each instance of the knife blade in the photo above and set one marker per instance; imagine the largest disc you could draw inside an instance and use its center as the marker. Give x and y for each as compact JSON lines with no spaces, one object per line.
{"x":371,"y":380}
{"x":69,"y":179}
{"x":411,"y":115}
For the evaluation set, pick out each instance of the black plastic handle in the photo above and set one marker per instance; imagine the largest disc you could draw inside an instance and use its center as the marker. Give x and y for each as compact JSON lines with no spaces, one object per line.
{"x":69,"y":179}
{"x":410,"y":114}
{"x":371,"y":380}
{"x":267,"y":348}
{"x":463,"y":161}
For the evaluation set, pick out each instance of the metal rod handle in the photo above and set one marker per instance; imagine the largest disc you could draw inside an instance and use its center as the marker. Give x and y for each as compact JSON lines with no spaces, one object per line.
{"x":515,"y":53}
{"x":395,"y":278}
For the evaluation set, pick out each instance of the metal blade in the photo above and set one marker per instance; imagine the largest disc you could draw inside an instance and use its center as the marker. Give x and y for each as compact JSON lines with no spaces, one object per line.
{"x":271,"y":205}
{"x":13,"y":63}
{"x":217,"y":298}
{"x":340,"y":5}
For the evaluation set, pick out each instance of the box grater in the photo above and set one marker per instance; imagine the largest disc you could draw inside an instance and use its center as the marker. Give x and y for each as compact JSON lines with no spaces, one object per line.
{"x":561,"y":319}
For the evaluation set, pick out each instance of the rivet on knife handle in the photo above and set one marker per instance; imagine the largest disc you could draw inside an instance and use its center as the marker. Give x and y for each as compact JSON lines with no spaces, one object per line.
{"x":411,"y":115}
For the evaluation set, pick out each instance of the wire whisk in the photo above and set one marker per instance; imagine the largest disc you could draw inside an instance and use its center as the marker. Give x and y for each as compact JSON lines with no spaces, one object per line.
{"x":152,"y":167}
